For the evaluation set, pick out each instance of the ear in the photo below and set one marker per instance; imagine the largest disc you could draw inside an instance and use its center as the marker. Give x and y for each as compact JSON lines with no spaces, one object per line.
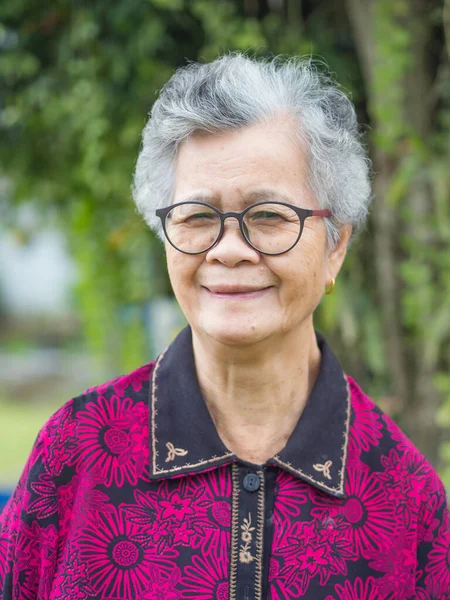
{"x":337,"y":255}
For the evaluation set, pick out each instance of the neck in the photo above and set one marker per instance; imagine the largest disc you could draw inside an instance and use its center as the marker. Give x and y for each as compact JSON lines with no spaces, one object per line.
{"x":256,"y":394}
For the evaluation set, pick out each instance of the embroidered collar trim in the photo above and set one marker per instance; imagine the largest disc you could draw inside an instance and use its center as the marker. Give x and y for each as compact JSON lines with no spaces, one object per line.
{"x":184,"y":440}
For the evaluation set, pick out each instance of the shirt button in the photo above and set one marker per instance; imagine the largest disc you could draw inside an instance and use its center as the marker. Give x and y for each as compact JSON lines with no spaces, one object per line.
{"x":251,"y":482}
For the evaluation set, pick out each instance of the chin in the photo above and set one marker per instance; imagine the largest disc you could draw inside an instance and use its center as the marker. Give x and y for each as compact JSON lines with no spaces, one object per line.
{"x":234,"y":332}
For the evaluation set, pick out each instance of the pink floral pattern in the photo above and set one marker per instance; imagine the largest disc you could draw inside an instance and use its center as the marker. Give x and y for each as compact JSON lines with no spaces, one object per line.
{"x":440,"y":555}
{"x":398,"y":563}
{"x":371,"y":519}
{"x":4,"y":562}
{"x":206,"y":579}
{"x":37,"y":551}
{"x":110,"y":437}
{"x":117,"y":563}
{"x":434,"y":591}
{"x":89,"y":520}
{"x":366,"y":430}
{"x":120,"y":384}
{"x":134,"y":379}
{"x":60,"y":439}
{"x":73,"y":581}
{"x":162,"y":587}
{"x":358,"y":590}
{"x":402,"y":443}
{"x":408,"y":483}
{"x":176,"y":518}
{"x":213,"y":509}
{"x":51,"y":498}
{"x":315,"y":549}
{"x":290,"y":495}
{"x":10,"y":517}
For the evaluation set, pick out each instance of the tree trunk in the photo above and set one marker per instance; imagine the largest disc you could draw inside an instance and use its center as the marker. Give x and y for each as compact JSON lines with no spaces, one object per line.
{"x":399,"y":106}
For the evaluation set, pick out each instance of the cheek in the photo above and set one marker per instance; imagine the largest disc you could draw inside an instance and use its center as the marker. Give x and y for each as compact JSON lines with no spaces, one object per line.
{"x":313,"y":255}
{"x":303,"y":275}
{"x":182,"y":270}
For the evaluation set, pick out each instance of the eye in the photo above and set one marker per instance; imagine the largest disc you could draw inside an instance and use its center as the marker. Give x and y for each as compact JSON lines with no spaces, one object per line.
{"x":191,"y":214}
{"x":265,"y":215}
{"x":200,"y":215}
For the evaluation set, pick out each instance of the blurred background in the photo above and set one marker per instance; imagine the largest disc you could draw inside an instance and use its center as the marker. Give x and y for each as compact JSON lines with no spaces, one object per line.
{"x":84,"y":294}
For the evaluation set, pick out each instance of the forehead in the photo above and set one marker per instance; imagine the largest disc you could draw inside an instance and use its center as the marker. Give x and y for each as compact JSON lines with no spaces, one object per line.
{"x":259,"y":195}
{"x":258,"y":163}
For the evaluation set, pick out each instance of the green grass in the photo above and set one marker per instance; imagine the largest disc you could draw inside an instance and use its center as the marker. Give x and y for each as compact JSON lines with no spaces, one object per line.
{"x":19,"y":426}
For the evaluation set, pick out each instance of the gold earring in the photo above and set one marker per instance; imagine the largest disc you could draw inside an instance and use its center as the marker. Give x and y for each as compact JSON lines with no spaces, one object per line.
{"x":329,"y":288}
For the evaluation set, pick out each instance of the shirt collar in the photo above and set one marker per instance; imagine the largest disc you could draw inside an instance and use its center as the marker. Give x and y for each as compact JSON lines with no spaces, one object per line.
{"x":184,"y":439}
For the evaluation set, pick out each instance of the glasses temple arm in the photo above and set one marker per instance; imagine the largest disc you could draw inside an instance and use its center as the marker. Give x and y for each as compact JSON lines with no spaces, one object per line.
{"x":321,"y":213}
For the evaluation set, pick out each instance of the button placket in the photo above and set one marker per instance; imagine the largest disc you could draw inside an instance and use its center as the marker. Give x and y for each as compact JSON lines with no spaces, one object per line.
{"x":247,"y":533}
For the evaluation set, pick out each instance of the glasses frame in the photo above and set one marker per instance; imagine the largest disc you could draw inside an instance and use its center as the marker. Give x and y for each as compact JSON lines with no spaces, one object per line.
{"x":302,"y":213}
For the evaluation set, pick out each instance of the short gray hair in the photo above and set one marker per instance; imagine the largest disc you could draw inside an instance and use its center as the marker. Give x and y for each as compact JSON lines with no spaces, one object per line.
{"x":235,"y":91}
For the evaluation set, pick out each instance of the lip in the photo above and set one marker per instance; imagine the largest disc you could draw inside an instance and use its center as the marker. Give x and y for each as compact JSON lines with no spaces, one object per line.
{"x":236,"y":292}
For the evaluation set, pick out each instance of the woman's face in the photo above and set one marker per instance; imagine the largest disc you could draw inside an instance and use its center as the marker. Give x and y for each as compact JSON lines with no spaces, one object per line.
{"x":231,"y":293}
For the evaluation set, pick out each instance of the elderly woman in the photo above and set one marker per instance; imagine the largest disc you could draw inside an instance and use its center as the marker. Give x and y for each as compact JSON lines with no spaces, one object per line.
{"x":242,"y":463}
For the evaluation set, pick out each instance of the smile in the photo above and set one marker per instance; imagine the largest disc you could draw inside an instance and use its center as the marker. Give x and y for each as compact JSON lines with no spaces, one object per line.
{"x":237,"y":293}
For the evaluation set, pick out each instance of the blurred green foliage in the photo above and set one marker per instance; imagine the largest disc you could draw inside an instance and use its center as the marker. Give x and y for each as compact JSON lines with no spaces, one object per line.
{"x":76,"y":82}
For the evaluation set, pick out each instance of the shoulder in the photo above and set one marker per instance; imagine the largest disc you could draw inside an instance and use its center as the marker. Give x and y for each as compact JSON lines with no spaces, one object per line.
{"x":98,"y":425}
{"x":100,"y":436}
{"x":129,"y":389}
{"x":131,"y":383}
{"x":376,"y":442}
{"x":372,"y":428}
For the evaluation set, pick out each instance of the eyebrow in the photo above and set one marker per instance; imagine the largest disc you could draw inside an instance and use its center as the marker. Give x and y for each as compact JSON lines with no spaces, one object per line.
{"x":262,"y":195}
{"x":267,"y":195}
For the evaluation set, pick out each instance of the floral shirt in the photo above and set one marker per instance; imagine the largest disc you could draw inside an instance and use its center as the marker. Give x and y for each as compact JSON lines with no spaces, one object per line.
{"x":129,"y":493}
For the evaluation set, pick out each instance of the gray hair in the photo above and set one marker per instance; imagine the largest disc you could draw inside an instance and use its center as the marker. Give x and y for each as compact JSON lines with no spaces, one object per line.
{"x":235,"y":91}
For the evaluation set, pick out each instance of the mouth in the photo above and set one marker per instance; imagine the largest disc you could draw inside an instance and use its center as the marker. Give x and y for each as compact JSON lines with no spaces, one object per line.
{"x":236,"y":292}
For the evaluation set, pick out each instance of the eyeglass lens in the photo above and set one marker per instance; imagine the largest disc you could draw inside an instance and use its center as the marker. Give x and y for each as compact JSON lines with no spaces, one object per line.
{"x":270,"y":228}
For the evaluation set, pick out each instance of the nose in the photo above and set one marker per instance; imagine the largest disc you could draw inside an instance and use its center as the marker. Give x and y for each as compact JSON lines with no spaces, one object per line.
{"x":232,"y":248}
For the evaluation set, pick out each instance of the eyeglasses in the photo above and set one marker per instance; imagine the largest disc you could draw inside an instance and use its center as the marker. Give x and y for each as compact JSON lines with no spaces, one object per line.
{"x":268,"y":227}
